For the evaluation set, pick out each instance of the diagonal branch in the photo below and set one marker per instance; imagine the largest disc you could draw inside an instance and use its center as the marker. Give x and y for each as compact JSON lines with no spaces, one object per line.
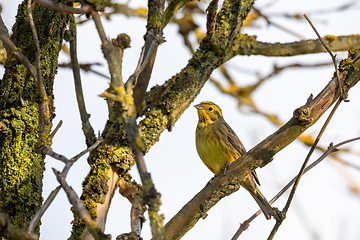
{"x":154,"y":33}
{"x":302,"y":170}
{"x":11,"y":49}
{"x":260,"y":155}
{"x":81,"y":209}
{"x":332,"y":148}
{"x":68,"y":164}
{"x":86,"y":126}
{"x":43,"y":108}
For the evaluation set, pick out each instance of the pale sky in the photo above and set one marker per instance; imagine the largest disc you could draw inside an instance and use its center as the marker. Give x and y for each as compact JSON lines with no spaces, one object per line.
{"x":323,"y":207}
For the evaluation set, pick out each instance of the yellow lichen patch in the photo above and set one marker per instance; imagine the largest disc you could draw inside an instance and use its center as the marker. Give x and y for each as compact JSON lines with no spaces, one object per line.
{"x":330,"y":38}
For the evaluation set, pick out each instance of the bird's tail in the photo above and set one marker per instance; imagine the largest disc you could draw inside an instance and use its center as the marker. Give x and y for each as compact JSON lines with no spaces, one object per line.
{"x":251,"y":187}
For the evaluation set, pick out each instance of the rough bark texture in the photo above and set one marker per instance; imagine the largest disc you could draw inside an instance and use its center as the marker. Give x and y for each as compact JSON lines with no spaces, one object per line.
{"x":21,"y":168}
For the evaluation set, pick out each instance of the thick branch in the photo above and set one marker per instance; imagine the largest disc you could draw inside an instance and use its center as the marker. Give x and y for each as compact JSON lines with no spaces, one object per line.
{"x":342,"y":43}
{"x":154,"y":32}
{"x":225,"y":183}
{"x":21,"y":167}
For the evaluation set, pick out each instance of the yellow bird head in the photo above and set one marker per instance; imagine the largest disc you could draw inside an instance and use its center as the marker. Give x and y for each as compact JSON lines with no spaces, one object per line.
{"x":208,"y":112}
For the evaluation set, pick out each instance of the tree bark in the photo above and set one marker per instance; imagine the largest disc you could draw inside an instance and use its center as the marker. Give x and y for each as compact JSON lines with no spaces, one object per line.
{"x":21,"y":168}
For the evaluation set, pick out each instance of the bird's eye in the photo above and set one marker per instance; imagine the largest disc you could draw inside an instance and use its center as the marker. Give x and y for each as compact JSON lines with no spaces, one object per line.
{"x":210,"y":109}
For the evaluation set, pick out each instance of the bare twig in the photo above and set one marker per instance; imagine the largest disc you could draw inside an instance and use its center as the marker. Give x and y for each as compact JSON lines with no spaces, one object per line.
{"x":12,"y":49}
{"x":84,"y":115}
{"x":154,"y":31}
{"x":333,"y":57}
{"x":132,"y":191}
{"x":99,"y":26}
{"x":292,"y":193}
{"x":36,"y":219}
{"x":51,"y":153}
{"x":277,"y":25}
{"x":80,"y":208}
{"x":52,"y":134}
{"x":109,"y":51}
{"x":86,"y":67}
{"x":79,"y":155}
{"x":40,"y":86}
{"x":332,"y":148}
{"x":64,"y":8}
{"x":69,"y":162}
{"x":171,"y":10}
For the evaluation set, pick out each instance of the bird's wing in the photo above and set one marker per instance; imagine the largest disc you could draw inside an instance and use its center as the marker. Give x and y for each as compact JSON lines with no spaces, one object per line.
{"x":234,"y":140}
{"x":237,"y":144}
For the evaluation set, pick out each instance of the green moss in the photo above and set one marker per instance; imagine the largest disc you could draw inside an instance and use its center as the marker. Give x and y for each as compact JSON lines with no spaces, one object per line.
{"x":154,"y":22}
{"x":348,"y":63}
{"x":95,"y":185}
{"x":150,"y":125}
{"x":21,"y":169}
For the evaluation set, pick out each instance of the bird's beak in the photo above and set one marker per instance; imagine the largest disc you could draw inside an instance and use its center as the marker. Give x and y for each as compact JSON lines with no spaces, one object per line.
{"x":198,"y":106}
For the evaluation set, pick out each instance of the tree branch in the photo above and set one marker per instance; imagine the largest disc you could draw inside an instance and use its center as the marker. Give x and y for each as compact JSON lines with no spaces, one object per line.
{"x":261,"y":154}
{"x":133,"y":192}
{"x":68,"y":164}
{"x":84,"y":115}
{"x":11,"y":49}
{"x":341,"y":43}
{"x":64,"y":8}
{"x":312,"y":149}
{"x":154,"y":32}
{"x":332,"y":148}
{"x":81,"y":209}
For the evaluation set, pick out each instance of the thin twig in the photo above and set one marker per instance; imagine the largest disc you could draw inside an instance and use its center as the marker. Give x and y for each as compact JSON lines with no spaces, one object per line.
{"x":86,"y":67}
{"x":38,"y":215}
{"x":69,"y":162}
{"x":292,"y":193}
{"x":332,"y":148}
{"x":52,"y":134}
{"x":57,"y":156}
{"x":277,"y":25}
{"x":171,"y":9}
{"x":76,"y":157}
{"x":99,"y":26}
{"x":84,"y":115}
{"x":80,"y":208}
{"x":333,"y":57}
{"x":155,"y":21}
{"x":59,"y":7}
{"x":133,"y":192}
{"x":12,"y":49}
{"x":39,"y":83}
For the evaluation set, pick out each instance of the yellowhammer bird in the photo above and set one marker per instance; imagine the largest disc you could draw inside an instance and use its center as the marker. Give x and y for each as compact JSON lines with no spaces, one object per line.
{"x":218,"y":145}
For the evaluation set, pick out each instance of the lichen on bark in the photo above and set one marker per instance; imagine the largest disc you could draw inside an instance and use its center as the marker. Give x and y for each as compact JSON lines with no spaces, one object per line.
{"x":21,"y":168}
